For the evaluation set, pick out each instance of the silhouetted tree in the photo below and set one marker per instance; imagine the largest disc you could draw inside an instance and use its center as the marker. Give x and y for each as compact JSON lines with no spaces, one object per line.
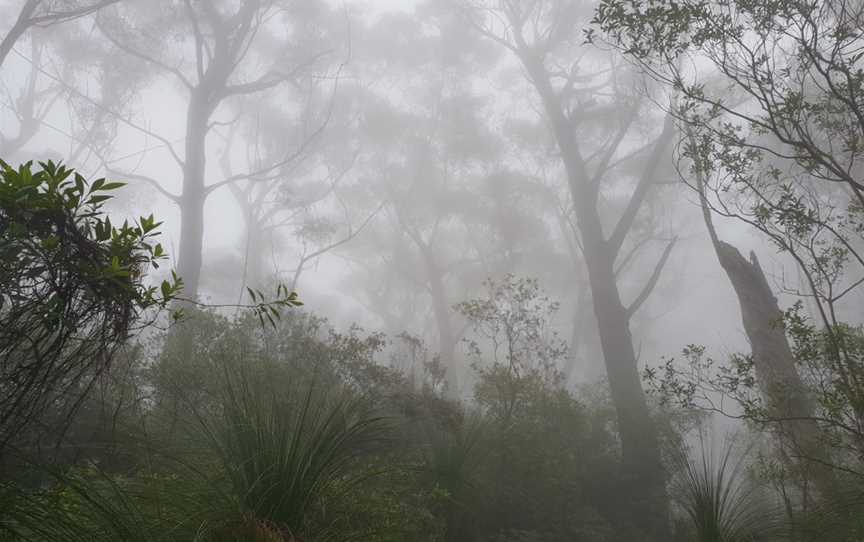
{"x":544,"y":37}
{"x":224,"y":39}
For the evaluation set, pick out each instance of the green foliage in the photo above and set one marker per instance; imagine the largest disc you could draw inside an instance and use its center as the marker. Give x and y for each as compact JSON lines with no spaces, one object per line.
{"x":513,"y":473}
{"x":829,"y":360}
{"x":293,"y":419}
{"x":72,"y":289}
{"x":285,"y":454}
{"x":838,"y":517}
{"x":773,"y":124}
{"x":90,"y":505}
{"x":270,"y":309}
{"x":522,"y":354}
{"x":721,"y":504}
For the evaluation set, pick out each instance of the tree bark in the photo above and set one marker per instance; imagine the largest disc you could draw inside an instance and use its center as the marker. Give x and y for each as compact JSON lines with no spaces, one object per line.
{"x":786,"y":397}
{"x":194,"y":193}
{"x":21,"y":25}
{"x":640,"y":447}
{"x":442,"y":312}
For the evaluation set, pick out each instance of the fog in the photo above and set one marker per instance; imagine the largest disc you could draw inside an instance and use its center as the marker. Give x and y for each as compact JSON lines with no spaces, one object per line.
{"x":510,"y":200}
{"x":159,"y":107}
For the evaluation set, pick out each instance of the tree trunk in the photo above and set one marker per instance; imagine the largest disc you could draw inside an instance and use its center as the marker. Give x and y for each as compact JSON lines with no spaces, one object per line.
{"x":441,"y":309}
{"x":194,"y":194}
{"x":21,"y":25}
{"x":786,"y":397}
{"x":640,"y":447}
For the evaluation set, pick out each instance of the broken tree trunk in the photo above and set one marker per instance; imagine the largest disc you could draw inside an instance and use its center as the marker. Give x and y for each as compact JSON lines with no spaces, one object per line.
{"x":788,"y":402}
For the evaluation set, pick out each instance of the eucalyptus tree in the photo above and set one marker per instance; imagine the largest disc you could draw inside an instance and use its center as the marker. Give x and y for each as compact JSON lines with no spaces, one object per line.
{"x":419,"y":141}
{"x":61,"y":64}
{"x":590,"y":106}
{"x":770,"y":96}
{"x":475,"y":202}
{"x":419,"y":233}
{"x":221,"y":51}
{"x":302,"y":208}
{"x":45,"y":13}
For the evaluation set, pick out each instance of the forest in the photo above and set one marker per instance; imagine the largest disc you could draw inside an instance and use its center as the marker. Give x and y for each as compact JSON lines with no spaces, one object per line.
{"x":431,"y":270}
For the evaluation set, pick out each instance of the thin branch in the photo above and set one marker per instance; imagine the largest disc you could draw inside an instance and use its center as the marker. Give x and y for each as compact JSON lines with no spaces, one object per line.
{"x":168,"y":144}
{"x":272,"y":78}
{"x":625,"y":261}
{"x":146,"y":58}
{"x":144,"y":178}
{"x":652,"y":281}
{"x":645,"y":183}
{"x":352,"y":233}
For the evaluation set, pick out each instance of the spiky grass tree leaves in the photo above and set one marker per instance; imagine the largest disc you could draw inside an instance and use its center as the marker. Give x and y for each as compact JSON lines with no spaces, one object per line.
{"x":88,"y":505}
{"x":720,"y":502}
{"x":286,"y":451}
{"x":839,"y":517}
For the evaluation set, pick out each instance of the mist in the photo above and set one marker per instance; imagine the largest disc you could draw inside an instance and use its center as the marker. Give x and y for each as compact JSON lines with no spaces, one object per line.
{"x":432,"y":270}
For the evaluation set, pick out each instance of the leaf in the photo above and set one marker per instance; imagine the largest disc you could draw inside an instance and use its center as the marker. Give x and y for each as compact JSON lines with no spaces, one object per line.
{"x":166,"y":289}
{"x":50,"y":243}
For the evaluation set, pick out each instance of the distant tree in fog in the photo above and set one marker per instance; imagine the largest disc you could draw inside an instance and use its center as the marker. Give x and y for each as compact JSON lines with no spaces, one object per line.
{"x":769,"y":98}
{"x":594,"y":111}
{"x":458,"y":208}
{"x":42,"y":13}
{"x":216,"y":52}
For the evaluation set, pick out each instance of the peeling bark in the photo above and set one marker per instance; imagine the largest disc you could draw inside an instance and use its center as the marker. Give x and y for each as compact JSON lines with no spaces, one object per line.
{"x":786,"y":397}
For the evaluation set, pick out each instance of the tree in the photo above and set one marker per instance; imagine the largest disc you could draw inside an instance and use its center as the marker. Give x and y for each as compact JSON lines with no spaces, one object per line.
{"x":65,"y":66}
{"x":300,"y":202}
{"x":785,"y":394}
{"x":770,"y":99}
{"x":462,"y":202}
{"x":513,"y":321}
{"x":423,"y":154}
{"x":541,"y":35}
{"x":776,"y":117}
{"x":42,"y":13}
{"x":74,"y":288}
{"x":220,"y":37}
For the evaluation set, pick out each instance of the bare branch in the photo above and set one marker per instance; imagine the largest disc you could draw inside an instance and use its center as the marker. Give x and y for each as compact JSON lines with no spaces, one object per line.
{"x":352,"y":233}
{"x":144,"y":178}
{"x":652,"y":280}
{"x":271,"y":79}
{"x":146,"y":58}
{"x":622,"y":228}
{"x":21,"y":25}
{"x":165,"y":141}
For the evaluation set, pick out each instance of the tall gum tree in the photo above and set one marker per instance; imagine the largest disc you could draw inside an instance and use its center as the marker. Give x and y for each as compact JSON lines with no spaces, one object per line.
{"x":770,"y":96}
{"x":223,"y":43}
{"x":423,"y":145}
{"x":544,"y":36}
